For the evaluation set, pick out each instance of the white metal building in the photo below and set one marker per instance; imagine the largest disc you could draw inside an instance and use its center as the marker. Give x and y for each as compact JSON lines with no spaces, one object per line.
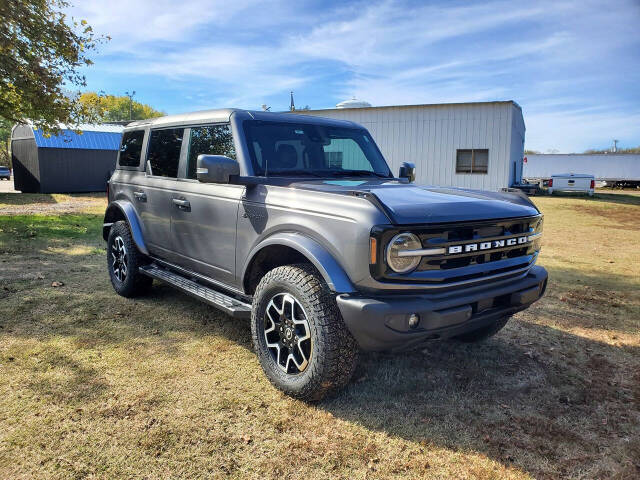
{"x":610,"y":167}
{"x":472,"y":145}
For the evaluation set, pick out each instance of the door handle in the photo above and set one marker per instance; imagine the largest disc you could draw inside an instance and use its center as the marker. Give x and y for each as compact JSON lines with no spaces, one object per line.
{"x":141,"y":196}
{"x":181,"y":203}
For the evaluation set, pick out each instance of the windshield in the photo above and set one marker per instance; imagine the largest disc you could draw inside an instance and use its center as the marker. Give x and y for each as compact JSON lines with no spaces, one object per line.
{"x":279,"y":149}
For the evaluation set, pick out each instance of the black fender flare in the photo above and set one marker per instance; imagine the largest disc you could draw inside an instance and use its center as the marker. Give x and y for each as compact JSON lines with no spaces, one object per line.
{"x":123,"y":208}
{"x":331,"y":271}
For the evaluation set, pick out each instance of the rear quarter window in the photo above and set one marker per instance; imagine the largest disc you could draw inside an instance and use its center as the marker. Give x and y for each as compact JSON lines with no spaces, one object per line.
{"x":131,"y":148}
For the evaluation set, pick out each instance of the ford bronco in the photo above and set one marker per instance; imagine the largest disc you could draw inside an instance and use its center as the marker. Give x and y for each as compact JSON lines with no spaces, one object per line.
{"x":298,"y":224}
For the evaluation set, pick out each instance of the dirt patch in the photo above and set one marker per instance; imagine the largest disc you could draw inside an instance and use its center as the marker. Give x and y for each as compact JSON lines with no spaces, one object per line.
{"x":589,"y":295}
{"x":49,"y":208}
{"x":626,"y":218}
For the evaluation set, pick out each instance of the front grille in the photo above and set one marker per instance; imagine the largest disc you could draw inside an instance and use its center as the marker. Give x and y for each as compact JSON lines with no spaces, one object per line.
{"x":448,"y":268}
{"x":459,"y":235}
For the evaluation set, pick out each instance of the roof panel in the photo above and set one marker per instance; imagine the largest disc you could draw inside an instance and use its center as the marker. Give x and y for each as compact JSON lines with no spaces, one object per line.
{"x":88,"y":140}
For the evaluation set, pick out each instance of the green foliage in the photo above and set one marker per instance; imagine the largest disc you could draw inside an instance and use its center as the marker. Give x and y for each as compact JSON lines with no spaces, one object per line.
{"x":531,"y":152}
{"x":51,"y":226}
{"x":41,"y":52}
{"x":109,"y":108}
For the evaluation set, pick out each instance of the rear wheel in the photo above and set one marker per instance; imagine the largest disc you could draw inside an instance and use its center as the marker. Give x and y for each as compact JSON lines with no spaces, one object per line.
{"x":484,"y":332}
{"x":123,"y":261}
{"x":298,"y":334}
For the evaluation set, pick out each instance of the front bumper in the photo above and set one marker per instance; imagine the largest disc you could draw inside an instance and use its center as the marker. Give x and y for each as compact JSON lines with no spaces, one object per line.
{"x":382,"y":323}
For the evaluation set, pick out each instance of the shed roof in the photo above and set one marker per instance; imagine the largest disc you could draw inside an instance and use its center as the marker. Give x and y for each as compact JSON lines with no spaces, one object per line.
{"x":95,"y":137}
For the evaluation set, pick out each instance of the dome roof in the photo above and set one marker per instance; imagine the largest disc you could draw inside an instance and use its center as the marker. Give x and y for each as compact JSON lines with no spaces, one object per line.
{"x":353,"y":103}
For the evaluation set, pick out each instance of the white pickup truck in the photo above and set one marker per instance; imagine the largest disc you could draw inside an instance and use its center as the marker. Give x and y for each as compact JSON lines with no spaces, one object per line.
{"x":572,"y":182}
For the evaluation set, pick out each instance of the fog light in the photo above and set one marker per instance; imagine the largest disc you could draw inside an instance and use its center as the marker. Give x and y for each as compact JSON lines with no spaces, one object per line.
{"x":414,"y":320}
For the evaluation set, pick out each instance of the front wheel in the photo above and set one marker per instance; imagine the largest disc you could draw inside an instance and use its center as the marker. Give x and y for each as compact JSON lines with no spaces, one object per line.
{"x":123,"y":260}
{"x":298,"y":334}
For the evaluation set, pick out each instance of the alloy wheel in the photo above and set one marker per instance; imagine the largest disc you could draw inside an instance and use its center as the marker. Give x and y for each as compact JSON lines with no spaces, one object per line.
{"x":287,"y":333}
{"x":119,"y":259}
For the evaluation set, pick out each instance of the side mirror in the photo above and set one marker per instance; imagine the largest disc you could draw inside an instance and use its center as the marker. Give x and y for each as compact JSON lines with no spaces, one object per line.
{"x":216,"y":168}
{"x":408,"y":171}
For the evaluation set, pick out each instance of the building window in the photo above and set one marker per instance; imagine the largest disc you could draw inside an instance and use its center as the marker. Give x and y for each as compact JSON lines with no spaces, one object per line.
{"x":211,"y":140}
{"x":164,"y":152}
{"x":472,"y":161}
{"x":131,"y":148}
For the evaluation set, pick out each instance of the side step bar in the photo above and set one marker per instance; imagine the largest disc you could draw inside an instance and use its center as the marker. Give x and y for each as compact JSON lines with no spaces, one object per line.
{"x":227,"y":304}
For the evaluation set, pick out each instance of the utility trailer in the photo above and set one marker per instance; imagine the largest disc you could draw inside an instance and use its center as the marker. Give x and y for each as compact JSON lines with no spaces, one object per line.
{"x":612,"y":169}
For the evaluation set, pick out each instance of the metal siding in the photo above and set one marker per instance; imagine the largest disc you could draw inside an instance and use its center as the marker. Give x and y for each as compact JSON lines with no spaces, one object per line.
{"x":88,"y":140}
{"x":26,"y":170}
{"x":72,"y":170}
{"x":430,"y":135}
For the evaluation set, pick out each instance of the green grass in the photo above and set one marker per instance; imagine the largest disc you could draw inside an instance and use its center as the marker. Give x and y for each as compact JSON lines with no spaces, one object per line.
{"x":95,"y":385}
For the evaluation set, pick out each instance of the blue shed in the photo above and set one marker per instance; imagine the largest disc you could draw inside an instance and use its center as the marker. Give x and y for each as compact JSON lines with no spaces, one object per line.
{"x":64,"y":163}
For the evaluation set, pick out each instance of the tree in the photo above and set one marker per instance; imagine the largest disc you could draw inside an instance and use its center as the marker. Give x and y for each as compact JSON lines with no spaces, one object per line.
{"x":531,"y":152}
{"x":41,"y":52}
{"x":110,"y":108}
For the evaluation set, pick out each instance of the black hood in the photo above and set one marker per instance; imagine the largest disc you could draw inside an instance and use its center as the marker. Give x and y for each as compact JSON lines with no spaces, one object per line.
{"x":406,"y":204}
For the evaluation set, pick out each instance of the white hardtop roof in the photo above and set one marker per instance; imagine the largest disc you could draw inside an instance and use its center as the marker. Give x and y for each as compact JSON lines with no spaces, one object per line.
{"x":224,"y":115}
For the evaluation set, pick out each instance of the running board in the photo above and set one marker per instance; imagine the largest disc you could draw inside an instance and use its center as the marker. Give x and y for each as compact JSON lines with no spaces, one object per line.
{"x":227,"y":304}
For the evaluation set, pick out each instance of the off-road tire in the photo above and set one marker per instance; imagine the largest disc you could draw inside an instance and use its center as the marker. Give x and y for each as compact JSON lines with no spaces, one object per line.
{"x":134,"y":283}
{"x":334,"y":351}
{"x":483,"y":333}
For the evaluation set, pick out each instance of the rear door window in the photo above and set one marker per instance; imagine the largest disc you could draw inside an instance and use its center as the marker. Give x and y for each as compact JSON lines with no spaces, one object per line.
{"x":209,"y":140}
{"x":164,"y":152}
{"x":131,"y":148}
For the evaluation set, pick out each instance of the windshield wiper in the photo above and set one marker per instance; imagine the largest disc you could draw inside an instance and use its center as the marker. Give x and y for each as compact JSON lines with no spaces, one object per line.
{"x":357,"y":173}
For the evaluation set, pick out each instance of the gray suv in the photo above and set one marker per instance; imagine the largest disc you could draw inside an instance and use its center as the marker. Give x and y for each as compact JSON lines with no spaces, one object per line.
{"x":298,"y":224}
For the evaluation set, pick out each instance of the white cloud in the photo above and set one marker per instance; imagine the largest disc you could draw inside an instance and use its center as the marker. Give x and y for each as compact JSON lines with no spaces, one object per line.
{"x":557,"y":59}
{"x":132,"y":23}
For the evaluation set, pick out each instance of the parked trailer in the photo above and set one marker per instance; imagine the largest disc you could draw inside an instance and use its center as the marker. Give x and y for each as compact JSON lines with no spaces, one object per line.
{"x":614,"y":169}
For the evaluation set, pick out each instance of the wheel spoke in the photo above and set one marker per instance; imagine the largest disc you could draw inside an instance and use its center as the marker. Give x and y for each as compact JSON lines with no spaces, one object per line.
{"x":287,"y":333}
{"x":119,"y":259}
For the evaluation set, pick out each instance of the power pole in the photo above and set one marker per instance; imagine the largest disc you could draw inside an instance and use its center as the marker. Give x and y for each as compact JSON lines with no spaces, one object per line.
{"x":130,"y":95}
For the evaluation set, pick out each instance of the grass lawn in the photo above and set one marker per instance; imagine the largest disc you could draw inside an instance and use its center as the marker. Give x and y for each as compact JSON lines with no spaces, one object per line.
{"x":93,"y":385}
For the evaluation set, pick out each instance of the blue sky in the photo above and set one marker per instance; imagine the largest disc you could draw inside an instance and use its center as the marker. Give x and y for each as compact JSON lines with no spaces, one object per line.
{"x":574,"y":67}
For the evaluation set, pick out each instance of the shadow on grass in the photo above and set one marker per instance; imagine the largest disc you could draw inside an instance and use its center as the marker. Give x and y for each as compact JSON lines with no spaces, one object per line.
{"x":540,"y":399}
{"x":60,"y":379}
{"x":533,"y":397}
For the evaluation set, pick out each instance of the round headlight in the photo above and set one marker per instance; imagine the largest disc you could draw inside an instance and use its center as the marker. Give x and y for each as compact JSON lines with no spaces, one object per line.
{"x":401,"y":243}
